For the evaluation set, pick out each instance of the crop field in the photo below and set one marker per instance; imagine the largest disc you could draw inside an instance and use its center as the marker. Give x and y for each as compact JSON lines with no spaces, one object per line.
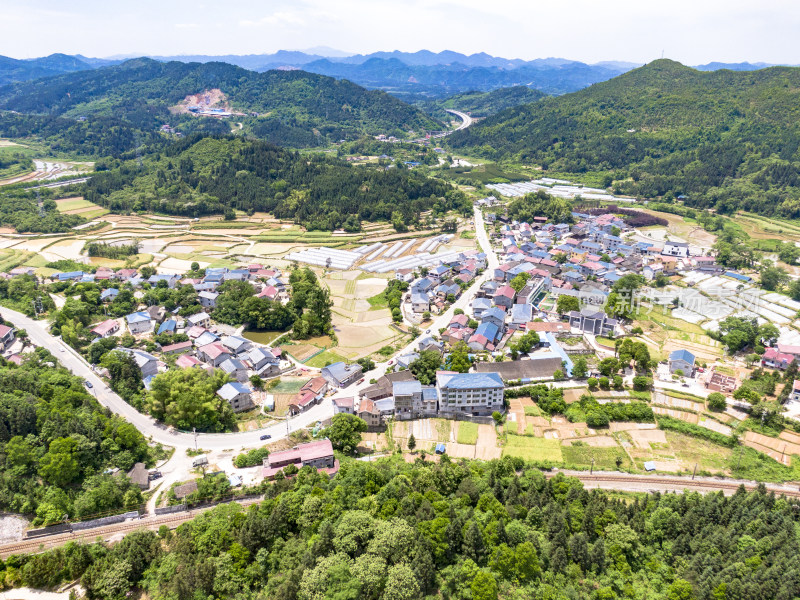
{"x":765,"y":228}
{"x":584,"y":455}
{"x":533,"y":448}
{"x":467,"y":433}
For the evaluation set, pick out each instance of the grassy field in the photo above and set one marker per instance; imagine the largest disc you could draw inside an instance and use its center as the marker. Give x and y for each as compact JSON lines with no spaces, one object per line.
{"x":604,"y":458}
{"x":533,"y":411}
{"x":378,"y":301}
{"x":70,"y":204}
{"x":324,"y":358}
{"x":467,"y":433}
{"x":765,"y":228}
{"x":287,"y":385}
{"x":533,"y":448}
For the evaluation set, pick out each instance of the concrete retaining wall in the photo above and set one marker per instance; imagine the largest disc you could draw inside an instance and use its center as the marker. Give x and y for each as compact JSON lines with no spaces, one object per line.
{"x":170,"y":509}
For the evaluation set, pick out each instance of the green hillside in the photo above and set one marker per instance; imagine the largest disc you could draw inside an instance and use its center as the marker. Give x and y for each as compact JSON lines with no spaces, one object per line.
{"x":206,"y":175}
{"x":725,"y":139}
{"x":293,"y":107}
{"x":483,"y":104}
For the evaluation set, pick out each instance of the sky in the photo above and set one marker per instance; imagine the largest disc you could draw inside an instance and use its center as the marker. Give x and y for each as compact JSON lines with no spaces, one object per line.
{"x":690,"y":31}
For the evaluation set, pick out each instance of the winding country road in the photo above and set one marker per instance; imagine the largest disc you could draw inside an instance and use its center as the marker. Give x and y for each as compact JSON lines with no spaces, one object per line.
{"x":150,"y":428}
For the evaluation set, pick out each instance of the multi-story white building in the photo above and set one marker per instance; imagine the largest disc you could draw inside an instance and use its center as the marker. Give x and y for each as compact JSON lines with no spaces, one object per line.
{"x":473,"y":394}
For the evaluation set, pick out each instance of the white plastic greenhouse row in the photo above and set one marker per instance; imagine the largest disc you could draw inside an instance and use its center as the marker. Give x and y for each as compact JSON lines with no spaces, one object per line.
{"x":423,"y":259}
{"x":364,"y":250}
{"x":431,"y":244}
{"x":405,"y":248}
{"x":380,"y":250}
{"x":325,"y":257}
{"x":393,"y":250}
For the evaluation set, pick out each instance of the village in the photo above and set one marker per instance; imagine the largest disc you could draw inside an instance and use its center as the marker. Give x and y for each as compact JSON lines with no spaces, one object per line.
{"x":482,"y":328}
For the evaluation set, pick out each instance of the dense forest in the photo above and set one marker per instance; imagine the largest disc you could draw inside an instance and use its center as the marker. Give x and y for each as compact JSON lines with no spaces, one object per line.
{"x":98,"y":136}
{"x":60,"y":449}
{"x":482,"y":104}
{"x":459,"y":531}
{"x":726,"y":140}
{"x":291,"y":108}
{"x":198,"y":176}
{"x":19,"y":209}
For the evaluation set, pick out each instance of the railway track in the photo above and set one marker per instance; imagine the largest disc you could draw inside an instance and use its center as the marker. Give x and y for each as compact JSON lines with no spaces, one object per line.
{"x":623,"y":482}
{"x":668,"y":483}
{"x":108,"y":532}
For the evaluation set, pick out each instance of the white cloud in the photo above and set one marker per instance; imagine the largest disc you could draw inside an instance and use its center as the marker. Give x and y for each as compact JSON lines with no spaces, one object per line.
{"x":278,"y":18}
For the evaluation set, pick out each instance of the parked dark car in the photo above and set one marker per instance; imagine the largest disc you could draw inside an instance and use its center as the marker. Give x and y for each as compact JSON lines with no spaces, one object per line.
{"x":266,"y":436}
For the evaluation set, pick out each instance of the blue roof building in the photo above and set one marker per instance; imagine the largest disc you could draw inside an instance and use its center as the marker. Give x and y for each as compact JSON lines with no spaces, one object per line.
{"x":488,"y":330}
{"x":738,"y":276}
{"x":109,"y":294}
{"x":70,"y":275}
{"x":167,"y":326}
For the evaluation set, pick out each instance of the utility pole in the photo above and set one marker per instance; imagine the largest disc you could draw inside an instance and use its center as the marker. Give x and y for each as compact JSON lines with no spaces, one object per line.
{"x":591,"y":469}
{"x":695,"y":470}
{"x":194,"y":431}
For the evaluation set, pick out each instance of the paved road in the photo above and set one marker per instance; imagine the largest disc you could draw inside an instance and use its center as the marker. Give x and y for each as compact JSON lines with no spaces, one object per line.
{"x":466,"y":120}
{"x":40,"y":336}
{"x":463,"y":302}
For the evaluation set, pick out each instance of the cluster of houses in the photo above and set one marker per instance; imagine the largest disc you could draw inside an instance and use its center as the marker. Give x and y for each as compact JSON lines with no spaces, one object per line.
{"x":208,"y":346}
{"x":583,"y":260}
{"x":266,"y":280}
{"x":430,"y":292}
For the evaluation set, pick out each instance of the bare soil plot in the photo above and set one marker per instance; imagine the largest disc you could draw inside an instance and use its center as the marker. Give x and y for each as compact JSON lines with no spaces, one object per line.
{"x":662,"y":398}
{"x":573,"y":394}
{"x":714,"y":426}
{"x":456,"y":450}
{"x":176,"y":265}
{"x":773,"y":454}
{"x":676,"y":414}
{"x":617,"y":426}
{"x":517,"y":408}
{"x":678,"y":226}
{"x":69,"y":249}
{"x":643,"y":438}
{"x":779,"y":444}
{"x":790,"y":436}
{"x":486,"y":448}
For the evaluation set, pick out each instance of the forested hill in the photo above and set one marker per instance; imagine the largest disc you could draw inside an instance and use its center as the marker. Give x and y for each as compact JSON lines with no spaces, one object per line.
{"x":484,"y":104}
{"x":477,"y":530}
{"x":294,"y":107}
{"x":725,"y":139}
{"x":196,"y":176}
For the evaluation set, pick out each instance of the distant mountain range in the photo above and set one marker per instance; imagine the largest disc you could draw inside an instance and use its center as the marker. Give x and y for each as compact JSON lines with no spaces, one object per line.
{"x":426,"y":73}
{"x":726,"y":139}
{"x":292,"y":108}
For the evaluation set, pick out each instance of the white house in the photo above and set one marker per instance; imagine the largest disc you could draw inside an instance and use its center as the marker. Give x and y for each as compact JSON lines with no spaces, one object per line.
{"x":679,"y":249}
